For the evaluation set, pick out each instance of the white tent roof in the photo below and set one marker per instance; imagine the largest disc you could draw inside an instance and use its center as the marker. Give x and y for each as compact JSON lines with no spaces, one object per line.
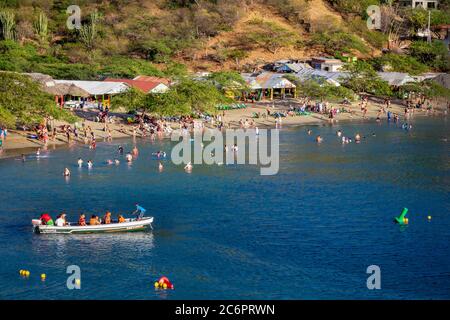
{"x":334,"y":78}
{"x":98,"y":87}
{"x":396,"y":78}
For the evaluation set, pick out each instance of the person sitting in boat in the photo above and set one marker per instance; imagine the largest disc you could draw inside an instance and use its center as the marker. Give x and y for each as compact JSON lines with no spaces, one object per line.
{"x":94,"y":220}
{"x":46,"y":219}
{"x":107,"y":218}
{"x":82,"y":220}
{"x":61,"y":220}
{"x":139,"y":211}
{"x":121,"y":219}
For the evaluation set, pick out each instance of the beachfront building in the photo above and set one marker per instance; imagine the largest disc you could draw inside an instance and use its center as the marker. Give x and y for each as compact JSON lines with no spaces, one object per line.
{"x":99,"y":91}
{"x":61,"y":91}
{"x":426,"y":4}
{"x":269,"y":85}
{"x":146,"y":86}
{"x":327,"y":64}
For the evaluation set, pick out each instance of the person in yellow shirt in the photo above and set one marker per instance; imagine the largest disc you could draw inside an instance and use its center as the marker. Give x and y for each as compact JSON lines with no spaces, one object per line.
{"x":121,"y":219}
{"x":94,"y":220}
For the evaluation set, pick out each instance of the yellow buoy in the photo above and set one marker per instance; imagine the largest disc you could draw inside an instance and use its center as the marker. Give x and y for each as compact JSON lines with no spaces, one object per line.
{"x":156,"y":284}
{"x":27,"y":273}
{"x":429,"y":217}
{"x":406,"y":220}
{"x":43,"y":276}
{"x":165,"y":286}
{"x":77,"y":282}
{"x":21,"y":272}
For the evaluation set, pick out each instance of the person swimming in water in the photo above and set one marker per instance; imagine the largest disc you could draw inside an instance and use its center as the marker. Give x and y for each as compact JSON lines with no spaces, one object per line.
{"x":129,"y":157}
{"x":120,"y":149}
{"x":319,"y":139}
{"x":188,"y":167}
{"x":38,"y":152}
{"x":135,"y":151}
{"x":80,"y":162}
{"x":90,"y":164}
{"x":116,"y":161}
{"x":160,"y":167}
{"x":66,"y":172}
{"x":357,"y":137}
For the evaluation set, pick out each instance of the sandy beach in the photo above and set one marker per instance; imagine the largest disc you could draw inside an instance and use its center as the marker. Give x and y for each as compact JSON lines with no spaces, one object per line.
{"x":17,"y":141}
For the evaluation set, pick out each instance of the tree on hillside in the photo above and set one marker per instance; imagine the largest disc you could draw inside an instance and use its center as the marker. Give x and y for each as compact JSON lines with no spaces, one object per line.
{"x":364,"y":79}
{"x":186,"y":97}
{"x":293,"y":10}
{"x":40,"y":26}
{"x":228,"y":81}
{"x":88,"y":32}
{"x":433,"y":54}
{"x":23,"y":102}
{"x":8,"y":25}
{"x":268,"y":35}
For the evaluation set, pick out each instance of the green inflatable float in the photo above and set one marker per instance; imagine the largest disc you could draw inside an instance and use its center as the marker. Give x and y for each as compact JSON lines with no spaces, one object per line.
{"x":401,"y":218}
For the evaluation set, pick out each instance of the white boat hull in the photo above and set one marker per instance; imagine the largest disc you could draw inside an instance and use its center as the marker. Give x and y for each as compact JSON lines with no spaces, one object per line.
{"x":130,"y":225}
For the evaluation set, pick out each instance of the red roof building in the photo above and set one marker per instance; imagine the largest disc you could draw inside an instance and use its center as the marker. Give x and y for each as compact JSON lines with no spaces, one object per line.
{"x":144,"y":86}
{"x":153,"y":79}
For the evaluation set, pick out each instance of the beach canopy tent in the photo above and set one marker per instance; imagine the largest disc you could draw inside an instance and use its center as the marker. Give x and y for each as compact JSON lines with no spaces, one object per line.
{"x":146,"y":86}
{"x":319,"y":76}
{"x":267,"y":84}
{"x":443,"y":79}
{"x":396,"y":79}
{"x":293,"y":67}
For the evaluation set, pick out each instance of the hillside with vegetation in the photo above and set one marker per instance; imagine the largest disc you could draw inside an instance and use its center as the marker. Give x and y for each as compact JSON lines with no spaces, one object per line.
{"x":172,"y":38}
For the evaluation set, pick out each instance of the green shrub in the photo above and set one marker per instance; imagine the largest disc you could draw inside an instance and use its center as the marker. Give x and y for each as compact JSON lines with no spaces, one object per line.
{"x":338,"y":42}
{"x":434,"y":55}
{"x":23,"y":102}
{"x":400,"y":63}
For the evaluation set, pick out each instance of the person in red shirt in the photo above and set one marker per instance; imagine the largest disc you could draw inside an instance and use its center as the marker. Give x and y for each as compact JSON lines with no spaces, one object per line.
{"x":46,"y":219}
{"x":82,"y":220}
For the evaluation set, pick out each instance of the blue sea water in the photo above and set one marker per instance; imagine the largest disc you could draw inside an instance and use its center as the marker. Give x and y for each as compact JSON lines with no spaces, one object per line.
{"x":226,"y":232}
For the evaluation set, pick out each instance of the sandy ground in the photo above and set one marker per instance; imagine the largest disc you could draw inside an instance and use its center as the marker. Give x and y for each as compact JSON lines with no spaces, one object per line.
{"x":17,"y":142}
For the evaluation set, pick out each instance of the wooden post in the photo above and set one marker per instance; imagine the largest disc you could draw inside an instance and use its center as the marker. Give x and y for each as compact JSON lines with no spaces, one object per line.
{"x":295,"y":92}
{"x":271,"y":94}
